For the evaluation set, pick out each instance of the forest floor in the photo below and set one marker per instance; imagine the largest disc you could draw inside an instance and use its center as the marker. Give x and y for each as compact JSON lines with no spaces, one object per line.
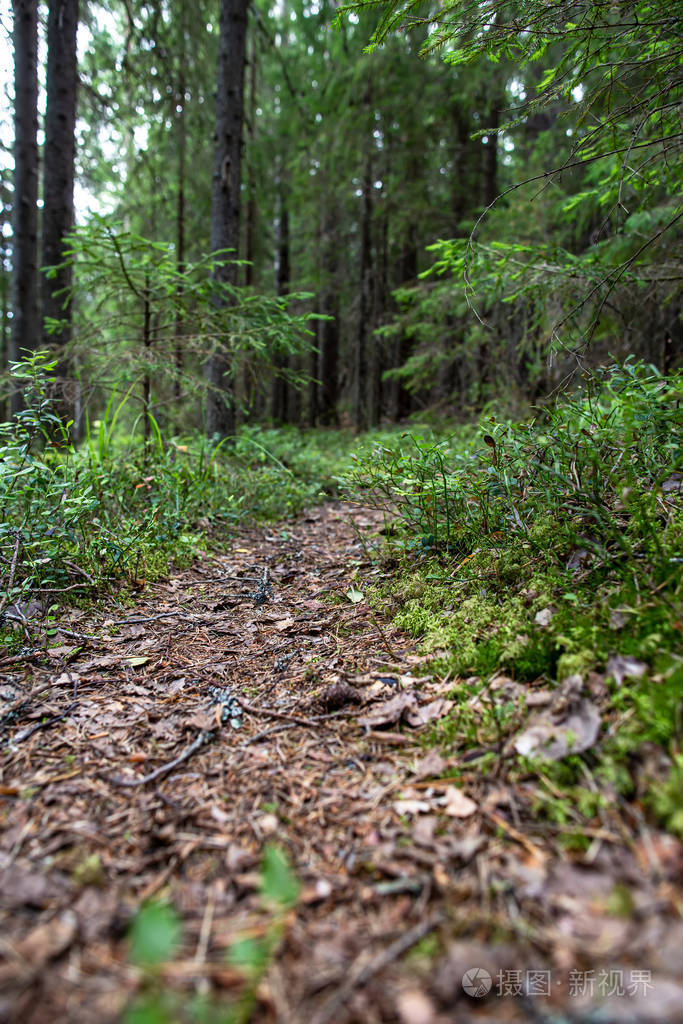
{"x":254,"y":699}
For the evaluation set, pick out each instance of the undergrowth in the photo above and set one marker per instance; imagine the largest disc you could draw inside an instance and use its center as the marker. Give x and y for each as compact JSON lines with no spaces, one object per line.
{"x":546,"y":549}
{"x":76,"y":520}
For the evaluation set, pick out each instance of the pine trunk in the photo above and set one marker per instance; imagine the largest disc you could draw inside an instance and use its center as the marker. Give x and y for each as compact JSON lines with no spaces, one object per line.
{"x":25,"y":314}
{"x":225,"y":200}
{"x":362,"y":358}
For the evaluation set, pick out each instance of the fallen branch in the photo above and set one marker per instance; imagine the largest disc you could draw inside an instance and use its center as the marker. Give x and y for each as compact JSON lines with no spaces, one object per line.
{"x":24,"y":735}
{"x":310,"y":723}
{"x":12,"y":572}
{"x":360,"y":974}
{"x":164,"y":768}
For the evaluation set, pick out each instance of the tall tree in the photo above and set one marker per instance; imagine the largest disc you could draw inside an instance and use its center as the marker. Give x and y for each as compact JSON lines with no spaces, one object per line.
{"x":25,"y":313}
{"x":225,"y":199}
{"x":58,"y":180}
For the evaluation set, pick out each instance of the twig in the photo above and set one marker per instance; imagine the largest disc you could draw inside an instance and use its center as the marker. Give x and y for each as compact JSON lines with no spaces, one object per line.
{"x":21,"y":701}
{"x":20,"y":737}
{"x":164,"y":768}
{"x":257,"y":737}
{"x":310,"y":723}
{"x":12,"y":658}
{"x":360,"y":974}
{"x":12,"y":571}
{"x":82,"y":572}
{"x":148,"y":618}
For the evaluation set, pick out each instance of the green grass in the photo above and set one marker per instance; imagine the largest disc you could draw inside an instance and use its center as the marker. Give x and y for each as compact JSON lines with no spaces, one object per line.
{"x":540,"y":552}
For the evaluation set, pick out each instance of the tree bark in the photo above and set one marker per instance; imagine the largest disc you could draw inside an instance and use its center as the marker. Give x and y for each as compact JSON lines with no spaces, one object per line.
{"x":225,"y":200}
{"x":328,"y":330}
{"x":25,"y":313}
{"x":362,"y":362}
{"x":58,"y":190}
{"x":181,"y":134}
{"x":252,"y":210}
{"x":279,"y":397}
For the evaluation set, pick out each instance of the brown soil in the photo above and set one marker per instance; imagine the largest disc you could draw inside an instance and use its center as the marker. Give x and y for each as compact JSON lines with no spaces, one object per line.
{"x":119,"y":783}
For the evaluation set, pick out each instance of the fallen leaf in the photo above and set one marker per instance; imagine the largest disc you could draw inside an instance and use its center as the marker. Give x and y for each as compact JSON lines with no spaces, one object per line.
{"x":137,"y":661}
{"x":424,"y":829}
{"x":282,"y":624}
{"x":546,"y":738}
{"x":456,"y":804}
{"x":432,"y":765}
{"x":412,"y":806}
{"x":391,"y":711}
{"x":544,"y":617}
{"x":428,"y":712}
{"x":338,"y":695}
{"x":618,"y":618}
{"x":48,"y":940}
{"x":354,"y":596}
{"x":415,"y":1007}
{"x":61,"y":652}
{"x":619,"y":666}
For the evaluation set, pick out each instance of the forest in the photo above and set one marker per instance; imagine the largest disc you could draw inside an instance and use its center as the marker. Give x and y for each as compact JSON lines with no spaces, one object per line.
{"x":341,"y":481}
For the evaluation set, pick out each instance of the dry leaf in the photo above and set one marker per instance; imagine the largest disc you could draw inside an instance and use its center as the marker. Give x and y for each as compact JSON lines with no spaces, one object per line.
{"x":428,"y":712}
{"x":412,"y":806}
{"x":619,"y":666}
{"x":456,"y":804}
{"x":546,"y":738}
{"x":391,"y":711}
{"x":544,"y":617}
{"x":415,"y":1007}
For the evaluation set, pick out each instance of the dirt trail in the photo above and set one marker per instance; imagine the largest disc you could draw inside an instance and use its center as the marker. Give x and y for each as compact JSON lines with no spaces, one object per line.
{"x":249,"y":700}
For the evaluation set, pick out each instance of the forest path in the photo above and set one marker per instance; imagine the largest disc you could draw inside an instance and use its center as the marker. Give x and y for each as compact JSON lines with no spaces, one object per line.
{"x":255,"y":699}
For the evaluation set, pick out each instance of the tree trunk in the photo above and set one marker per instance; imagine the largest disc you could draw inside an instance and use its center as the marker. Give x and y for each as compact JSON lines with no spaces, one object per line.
{"x":328,"y":330}
{"x":362,"y":361}
{"x":279,"y":400}
{"x":4,"y":298}
{"x":225,"y":199}
{"x":491,"y":151}
{"x":400,"y":396}
{"x":181,"y":134}
{"x":25,"y":314}
{"x":58,"y":190}
{"x":252,"y":210}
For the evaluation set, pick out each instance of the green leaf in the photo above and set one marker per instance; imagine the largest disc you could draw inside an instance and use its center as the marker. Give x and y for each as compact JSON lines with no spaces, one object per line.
{"x":278,"y":882}
{"x":154,"y":934}
{"x":354,"y":596}
{"x":249,"y":955}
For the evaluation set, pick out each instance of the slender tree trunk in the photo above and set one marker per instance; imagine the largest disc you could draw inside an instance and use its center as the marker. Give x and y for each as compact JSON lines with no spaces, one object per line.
{"x":25,"y":332}
{"x":400,"y":396}
{"x":279,"y":401}
{"x":490,"y":176}
{"x":4,"y":301}
{"x":225,"y":199}
{"x":362,"y":360}
{"x":252,"y":209}
{"x":328,"y":333}
{"x":147,"y":353}
{"x":58,"y":182}
{"x":181,"y":133}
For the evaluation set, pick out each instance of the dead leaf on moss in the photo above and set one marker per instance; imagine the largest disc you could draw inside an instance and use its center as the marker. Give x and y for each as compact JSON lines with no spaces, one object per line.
{"x":456,"y":804}
{"x":621,"y":666}
{"x":552,"y":740}
{"x":428,"y":712}
{"x":391,"y":711}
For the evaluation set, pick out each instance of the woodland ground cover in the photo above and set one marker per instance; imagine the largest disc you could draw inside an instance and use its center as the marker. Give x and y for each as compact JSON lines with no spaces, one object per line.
{"x":553,"y":551}
{"x":542,"y":549}
{"x":537,"y":563}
